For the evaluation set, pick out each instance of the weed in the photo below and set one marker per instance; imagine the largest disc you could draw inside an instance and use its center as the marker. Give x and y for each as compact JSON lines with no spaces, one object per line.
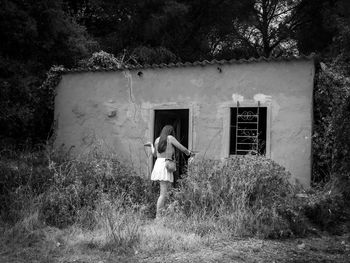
{"x":79,"y":184}
{"x":250,"y":195}
{"x":120,"y":225}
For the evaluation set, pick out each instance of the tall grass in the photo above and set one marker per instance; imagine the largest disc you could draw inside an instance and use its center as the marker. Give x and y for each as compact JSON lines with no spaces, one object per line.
{"x":118,"y":228}
{"x":97,"y":203}
{"x":79,"y":185}
{"x":24,"y":177}
{"x":242,"y":196}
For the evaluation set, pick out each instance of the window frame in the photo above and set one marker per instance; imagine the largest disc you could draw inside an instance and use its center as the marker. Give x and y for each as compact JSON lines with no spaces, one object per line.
{"x":226,"y":136}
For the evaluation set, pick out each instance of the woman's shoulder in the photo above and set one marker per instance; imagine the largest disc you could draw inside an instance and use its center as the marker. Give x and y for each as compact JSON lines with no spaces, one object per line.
{"x":171,"y":138}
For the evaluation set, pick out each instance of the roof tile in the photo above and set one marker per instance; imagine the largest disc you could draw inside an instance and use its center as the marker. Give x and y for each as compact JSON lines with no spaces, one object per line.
{"x":187,"y":64}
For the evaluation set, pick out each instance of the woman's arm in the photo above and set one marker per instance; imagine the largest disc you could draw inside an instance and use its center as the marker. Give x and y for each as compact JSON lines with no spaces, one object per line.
{"x":153,"y":150}
{"x":178,"y":145}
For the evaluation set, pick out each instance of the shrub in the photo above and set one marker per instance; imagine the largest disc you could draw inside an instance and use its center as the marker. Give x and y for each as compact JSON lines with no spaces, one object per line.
{"x":153,"y":55}
{"x":331,"y":144}
{"x":66,"y":190}
{"x":80,"y":184}
{"x":101,"y":59}
{"x":328,"y":210}
{"x":249,"y":194}
{"x":24,"y":177}
{"x":331,"y":141}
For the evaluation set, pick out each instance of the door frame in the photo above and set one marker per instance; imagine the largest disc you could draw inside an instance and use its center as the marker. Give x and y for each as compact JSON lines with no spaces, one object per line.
{"x":171,"y":106}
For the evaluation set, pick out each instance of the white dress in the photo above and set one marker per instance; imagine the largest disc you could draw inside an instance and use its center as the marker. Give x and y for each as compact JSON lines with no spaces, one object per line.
{"x":160,"y":172}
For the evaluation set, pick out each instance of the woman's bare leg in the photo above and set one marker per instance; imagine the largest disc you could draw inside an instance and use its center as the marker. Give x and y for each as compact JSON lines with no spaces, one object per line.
{"x":164,"y":185}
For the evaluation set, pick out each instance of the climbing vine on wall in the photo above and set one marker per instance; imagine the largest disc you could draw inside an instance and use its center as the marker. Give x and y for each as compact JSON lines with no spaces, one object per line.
{"x":331,"y":139}
{"x":49,"y":85}
{"x":98,"y":60}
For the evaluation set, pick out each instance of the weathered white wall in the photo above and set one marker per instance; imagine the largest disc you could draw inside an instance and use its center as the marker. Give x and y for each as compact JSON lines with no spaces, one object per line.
{"x":117,"y":107}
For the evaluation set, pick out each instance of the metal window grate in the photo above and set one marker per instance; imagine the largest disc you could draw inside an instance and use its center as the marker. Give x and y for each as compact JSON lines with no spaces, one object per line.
{"x":248,"y":130}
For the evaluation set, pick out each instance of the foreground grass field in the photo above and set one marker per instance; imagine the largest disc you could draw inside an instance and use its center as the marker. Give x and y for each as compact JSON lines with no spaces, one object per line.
{"x":159,"y":243}
{"x":96,"y":209}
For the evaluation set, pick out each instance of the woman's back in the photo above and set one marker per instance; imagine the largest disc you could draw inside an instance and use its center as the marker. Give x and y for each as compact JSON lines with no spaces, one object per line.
{"x":169,"y":150}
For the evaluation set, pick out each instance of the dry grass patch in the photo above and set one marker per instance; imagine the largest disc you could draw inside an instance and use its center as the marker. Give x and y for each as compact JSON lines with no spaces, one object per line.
{"x":158,"y":238}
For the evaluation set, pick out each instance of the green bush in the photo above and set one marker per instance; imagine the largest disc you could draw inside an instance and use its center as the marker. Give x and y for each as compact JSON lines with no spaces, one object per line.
{"x":101,"y":59}
{"x":80,"y":184}
{"x":24,"y":177}
{"x":331,"y":140}
{"x":327,"y":210}
{"x":250,"y":194}
{"x":66,"y":190}
{"x":329,"y":206}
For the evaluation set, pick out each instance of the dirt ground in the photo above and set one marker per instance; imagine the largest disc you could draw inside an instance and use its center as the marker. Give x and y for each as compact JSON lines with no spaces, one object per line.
{"x":324,"y":248}
{"x":321,"y":249}
{"x":318,"y":249}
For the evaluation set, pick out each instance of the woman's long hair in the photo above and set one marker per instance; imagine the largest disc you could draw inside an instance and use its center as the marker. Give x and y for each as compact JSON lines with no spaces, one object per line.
{"x":167,"y":130}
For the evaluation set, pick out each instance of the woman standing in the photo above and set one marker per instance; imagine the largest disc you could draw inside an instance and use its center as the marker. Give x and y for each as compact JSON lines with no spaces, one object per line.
{"x":164,"y":151}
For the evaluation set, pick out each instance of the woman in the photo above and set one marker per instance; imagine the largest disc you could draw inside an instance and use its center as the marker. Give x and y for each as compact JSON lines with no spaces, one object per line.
{"x":164,"y":149}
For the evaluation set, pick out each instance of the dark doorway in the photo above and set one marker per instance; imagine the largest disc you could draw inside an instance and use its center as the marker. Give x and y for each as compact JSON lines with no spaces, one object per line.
{"x":179,"y":119}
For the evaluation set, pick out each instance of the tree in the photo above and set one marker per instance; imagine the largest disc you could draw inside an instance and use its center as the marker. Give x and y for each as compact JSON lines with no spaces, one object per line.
{"x":315,"y":35}
{"x":35,"y":35}
{"x":326,"y":27}
{"x":339,"y":22}
{"x":269,"y":28}
{"x":332,"y":95}
{"x":175,"y":29}
{"x":123,"y":26}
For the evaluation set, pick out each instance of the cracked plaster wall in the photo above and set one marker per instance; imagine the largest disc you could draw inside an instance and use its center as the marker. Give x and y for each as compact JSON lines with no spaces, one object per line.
{"x":115,"y":108}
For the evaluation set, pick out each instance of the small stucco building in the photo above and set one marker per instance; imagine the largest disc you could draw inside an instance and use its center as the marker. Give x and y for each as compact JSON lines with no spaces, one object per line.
{"x":218,"y":108}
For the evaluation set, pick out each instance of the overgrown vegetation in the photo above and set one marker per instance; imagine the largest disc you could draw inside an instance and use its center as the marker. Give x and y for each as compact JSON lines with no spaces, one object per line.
{"x":45,"y":193}
{"x":331,"y":141}
{"x":329,"y":200}
{"x":67,"y":190}
{"x":79,"y":185}
{"x":244,"y":196}
{"x":98,"y":198}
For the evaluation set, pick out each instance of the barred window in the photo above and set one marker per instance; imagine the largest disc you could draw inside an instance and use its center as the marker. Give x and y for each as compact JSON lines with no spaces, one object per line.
{"x":248,"y":130}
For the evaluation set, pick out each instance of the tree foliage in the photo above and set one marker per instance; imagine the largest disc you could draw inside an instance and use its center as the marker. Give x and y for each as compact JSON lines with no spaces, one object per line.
{"x":331,"y":142}
{"x":332,"y":99}
{"x":184,"y":30}
{"x":35,"y":35}
{"x":269,"y":28}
